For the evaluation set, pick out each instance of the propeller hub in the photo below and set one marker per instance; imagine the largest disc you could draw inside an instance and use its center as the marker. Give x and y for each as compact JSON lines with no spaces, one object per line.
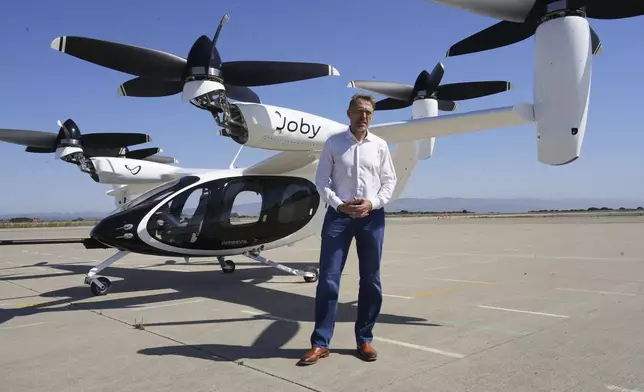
{"x":560,"y":13}
{"x":69,"y":143}
{"x":204,"y":73}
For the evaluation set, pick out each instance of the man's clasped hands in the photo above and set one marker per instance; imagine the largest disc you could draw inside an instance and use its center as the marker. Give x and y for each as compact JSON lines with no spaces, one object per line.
{"x":357,"y":208}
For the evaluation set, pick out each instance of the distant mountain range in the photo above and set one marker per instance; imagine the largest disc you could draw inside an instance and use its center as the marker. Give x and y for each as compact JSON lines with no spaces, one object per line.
{"x":445,"y":204}
{"x":514,"y":205}
{"x":488,"y":205}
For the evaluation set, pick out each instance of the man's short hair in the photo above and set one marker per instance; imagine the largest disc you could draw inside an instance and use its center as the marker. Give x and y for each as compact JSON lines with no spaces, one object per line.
{"x":364,"y":97}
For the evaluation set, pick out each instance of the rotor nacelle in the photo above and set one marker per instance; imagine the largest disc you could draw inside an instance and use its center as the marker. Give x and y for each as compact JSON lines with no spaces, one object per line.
{"x":422,"y":108}
{"x":277,"y":128}
{"x":564,"y":45}
{"x":198,"y":91}
{"x":562,"y":78}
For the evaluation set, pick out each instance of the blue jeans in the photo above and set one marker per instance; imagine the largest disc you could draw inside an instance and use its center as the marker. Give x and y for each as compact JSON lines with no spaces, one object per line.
{"x":338,"y":231}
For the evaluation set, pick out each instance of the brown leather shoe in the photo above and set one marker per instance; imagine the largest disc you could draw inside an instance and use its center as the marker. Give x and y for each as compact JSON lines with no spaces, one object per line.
{"x":311,"y":357}
{"x":367,"y":352}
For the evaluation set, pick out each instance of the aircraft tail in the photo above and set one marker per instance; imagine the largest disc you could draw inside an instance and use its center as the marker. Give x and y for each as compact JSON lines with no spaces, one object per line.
{"x":426,"y":148}
{"x":405,"y":159}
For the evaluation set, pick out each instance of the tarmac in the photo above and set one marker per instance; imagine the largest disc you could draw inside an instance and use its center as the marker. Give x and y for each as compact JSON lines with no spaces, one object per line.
{"x":520,"y":304}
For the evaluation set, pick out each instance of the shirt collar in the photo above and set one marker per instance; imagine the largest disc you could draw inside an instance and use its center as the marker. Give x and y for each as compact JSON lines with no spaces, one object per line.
{"x":351,"y":136}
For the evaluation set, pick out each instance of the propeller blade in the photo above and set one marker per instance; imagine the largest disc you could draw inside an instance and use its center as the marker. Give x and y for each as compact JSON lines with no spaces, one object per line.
{"x":143,"y":87}
{"x":215,"y":57}
{"x":390,"y":89}
{"x":160,"y":159}
{"x":392,"y":104}
{"x":130,"y":59}
{"x":222,"y":22}
{"x":40,"y":150}
{"x":501,"y":34}
{"x":615,"y":9}
{"x":113,"y":140}
{"x":101,"y":151}
{"x":37,"y":139}
{"x":597,"y":46}
{"x":143,"y":153}
{"x":262,"y":73}
{"x":446,"y":106}
{"x":469,"y":90}
{"x":240,"y":93}
{"x":431,"y":81}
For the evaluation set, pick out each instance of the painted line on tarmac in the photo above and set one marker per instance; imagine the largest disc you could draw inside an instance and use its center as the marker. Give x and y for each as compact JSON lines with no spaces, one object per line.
{"x":537,"y":256}
{"x":439,"y":268}
{"x":441,"y":291}
{"x":392,"y":295}
{"x":23,"y":326}
{"x":397,"y":296}
{"x":620,"y":389}
{"x":486,"y":262}
{"x":479,"y":326}
{"x":598,"y":292}
{"x":31,"y":304}
{"x":523,"y":311}
{"x":522,"y":256}
{"x":462,"y":281}
{"x":167,"y":305}
{"x":418,"y":347}
{"x":396,"y":342}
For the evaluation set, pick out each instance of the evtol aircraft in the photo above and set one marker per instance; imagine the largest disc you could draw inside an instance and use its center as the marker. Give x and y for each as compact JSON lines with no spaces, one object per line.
{"x":187,"y":212}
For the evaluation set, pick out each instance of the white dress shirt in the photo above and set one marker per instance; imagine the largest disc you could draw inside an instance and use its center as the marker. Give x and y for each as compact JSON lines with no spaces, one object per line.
{"x":348,"y":169}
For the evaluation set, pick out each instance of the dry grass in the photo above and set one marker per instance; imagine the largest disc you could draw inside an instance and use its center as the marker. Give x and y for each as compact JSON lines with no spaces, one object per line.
{"x":28,"y":225}
{"x":139,"y":324}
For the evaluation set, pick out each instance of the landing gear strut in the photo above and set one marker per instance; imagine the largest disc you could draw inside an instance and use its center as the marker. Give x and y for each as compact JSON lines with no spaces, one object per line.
{"x":101,"y":285}
{"x":310,"y":274}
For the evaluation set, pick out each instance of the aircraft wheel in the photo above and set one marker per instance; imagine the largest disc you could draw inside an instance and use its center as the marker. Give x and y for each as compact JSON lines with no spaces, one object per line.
{"x":314,"y":278}
{"x":96,"y":290}
{"x":229,"y":267}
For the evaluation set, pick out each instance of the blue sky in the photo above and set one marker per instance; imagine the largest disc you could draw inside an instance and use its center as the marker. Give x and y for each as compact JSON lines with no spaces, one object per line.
{"x":379,"y":39}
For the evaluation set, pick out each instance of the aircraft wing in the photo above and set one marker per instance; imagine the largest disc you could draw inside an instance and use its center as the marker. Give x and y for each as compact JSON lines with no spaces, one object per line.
{"x":132,"y":189}
{"x":452,"y":124}
{"x":283,"y":162}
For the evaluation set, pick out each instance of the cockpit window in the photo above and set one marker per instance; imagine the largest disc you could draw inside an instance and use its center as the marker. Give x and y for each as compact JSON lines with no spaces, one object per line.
{"x":157,"y":193}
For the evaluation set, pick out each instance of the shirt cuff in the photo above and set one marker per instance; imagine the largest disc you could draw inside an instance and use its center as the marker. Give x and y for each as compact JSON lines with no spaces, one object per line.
{"x":375,"y":203}
{"x":335,"y":202}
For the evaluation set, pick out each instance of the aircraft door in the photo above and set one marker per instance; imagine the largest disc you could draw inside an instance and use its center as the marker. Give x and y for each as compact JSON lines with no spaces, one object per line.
{"x":282,"y":205}
{"x":179,"y":222}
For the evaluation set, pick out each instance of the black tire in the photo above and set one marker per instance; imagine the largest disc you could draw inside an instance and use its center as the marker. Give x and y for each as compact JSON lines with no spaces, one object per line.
{"x":97,"y":290}
{"x":314,"y":278}
{"x":229,"y":267}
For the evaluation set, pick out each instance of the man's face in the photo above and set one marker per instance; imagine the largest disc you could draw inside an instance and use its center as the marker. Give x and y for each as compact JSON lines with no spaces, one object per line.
{"x":360,"y":115}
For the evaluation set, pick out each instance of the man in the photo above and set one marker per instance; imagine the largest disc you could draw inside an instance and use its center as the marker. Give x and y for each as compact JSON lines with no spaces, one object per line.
{"x":356,"y":178}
